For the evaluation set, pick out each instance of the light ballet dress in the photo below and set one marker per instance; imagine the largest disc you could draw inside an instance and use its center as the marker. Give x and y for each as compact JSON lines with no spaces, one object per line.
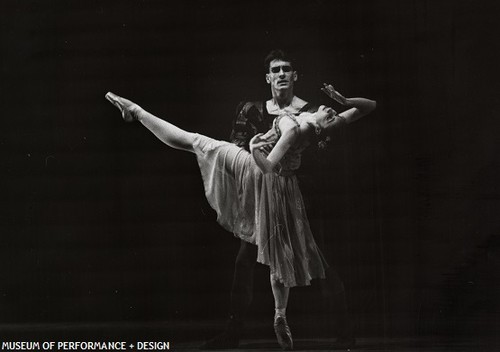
{"x":263,"y":209}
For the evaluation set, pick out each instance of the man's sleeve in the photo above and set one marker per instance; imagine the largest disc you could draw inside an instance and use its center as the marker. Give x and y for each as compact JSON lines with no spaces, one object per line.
{"x":243,"y":125}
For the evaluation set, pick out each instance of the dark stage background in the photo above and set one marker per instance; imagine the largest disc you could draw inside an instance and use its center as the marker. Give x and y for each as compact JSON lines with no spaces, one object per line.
{"x":100,"y":222}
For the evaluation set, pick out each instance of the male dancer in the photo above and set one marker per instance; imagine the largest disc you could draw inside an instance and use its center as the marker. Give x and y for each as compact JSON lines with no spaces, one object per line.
{"x":253,"y":118}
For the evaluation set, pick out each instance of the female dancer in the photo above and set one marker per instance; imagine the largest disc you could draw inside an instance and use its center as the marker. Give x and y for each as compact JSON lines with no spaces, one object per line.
{"x":256,"y":195}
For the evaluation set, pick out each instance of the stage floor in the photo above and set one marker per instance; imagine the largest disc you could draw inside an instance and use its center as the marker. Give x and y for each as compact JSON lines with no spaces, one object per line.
{"x":372,"y":344}
{"x":189,"y":335}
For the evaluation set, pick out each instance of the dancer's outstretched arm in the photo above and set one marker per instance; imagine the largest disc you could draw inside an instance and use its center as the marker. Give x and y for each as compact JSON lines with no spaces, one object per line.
{"x":168,"y":133}
{"x":359,"y":107}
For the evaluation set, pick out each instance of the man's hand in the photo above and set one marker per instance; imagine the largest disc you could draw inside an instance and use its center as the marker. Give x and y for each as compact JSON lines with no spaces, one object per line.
{"x":257,"y":142}
{"x":332,"y":93}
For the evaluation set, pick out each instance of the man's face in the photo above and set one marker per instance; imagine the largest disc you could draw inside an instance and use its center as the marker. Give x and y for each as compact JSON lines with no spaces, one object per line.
{"x":281,"y":75}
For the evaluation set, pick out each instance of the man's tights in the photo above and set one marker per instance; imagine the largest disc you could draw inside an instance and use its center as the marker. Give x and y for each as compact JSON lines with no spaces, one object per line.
{"x":242,"y":288}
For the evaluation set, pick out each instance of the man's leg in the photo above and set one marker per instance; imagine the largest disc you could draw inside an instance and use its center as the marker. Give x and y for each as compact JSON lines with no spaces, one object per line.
{"x":242,"y":288}
{"x":333,"y":291}
{"x":241,"y":297}
{"x":337,"y":307}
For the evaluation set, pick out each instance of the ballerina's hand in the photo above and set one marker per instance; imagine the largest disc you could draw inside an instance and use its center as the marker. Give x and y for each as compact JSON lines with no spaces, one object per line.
{"x":257,"y":142}
{"x":335,"y":95}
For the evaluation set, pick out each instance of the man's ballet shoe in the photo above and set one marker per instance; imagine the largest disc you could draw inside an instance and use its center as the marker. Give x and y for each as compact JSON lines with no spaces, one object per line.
{"x":228,"y":339}
{"x":126,"y":107}
{"x":344,"y":343}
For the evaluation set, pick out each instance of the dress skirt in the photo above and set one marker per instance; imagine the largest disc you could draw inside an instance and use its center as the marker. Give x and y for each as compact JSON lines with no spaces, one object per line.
{"x":263,"y":209}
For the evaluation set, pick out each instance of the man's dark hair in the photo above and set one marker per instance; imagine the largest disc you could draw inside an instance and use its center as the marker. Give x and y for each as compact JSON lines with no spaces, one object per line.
{"x":276,"y":54}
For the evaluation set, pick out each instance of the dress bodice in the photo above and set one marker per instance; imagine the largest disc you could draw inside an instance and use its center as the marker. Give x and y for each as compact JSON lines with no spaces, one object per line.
{"x":292,"y":159}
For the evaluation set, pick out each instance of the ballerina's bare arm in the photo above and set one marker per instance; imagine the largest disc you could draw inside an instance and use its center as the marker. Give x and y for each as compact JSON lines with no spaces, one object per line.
{"x":359,"y":107}
{"x":289,"y":134}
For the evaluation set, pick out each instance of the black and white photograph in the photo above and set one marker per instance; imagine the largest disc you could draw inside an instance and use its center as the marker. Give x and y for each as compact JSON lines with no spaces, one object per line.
{"x":317,"y":175}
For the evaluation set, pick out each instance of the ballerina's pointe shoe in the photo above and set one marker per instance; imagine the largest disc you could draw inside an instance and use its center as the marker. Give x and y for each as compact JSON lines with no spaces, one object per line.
{"x":126,"y":107}
{"x":283,"y":333}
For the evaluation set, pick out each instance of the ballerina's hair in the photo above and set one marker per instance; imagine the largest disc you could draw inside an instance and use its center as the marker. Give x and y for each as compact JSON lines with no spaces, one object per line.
{"x":322,"y":139}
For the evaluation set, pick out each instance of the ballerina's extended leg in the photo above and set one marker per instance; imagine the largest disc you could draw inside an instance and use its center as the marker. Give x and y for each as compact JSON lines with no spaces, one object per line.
{"x":168,"y":133}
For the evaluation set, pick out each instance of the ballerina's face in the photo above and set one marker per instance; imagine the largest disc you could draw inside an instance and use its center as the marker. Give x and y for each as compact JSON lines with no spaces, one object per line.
{"x":325,"y":116}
